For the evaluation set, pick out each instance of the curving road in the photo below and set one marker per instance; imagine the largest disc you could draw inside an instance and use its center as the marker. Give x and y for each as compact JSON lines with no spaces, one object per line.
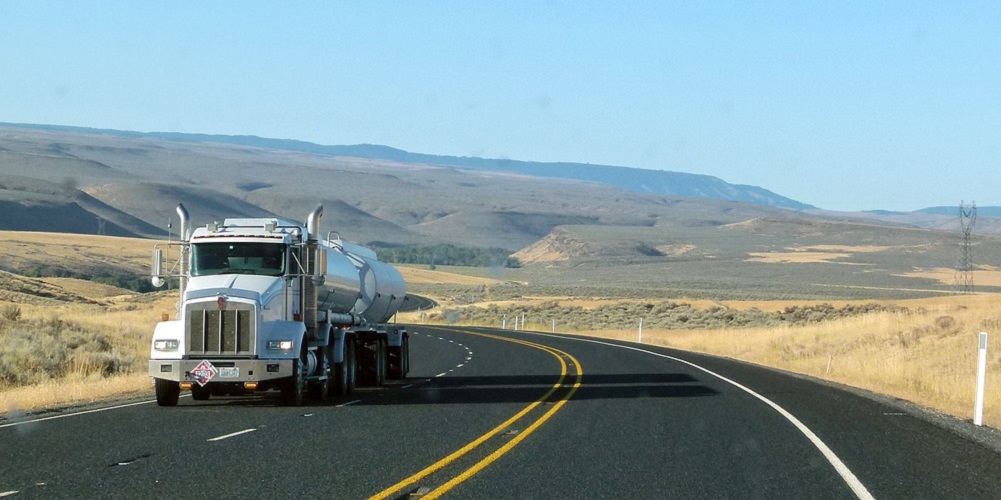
{"x":417,"y":303}
{"x":498,"y":414}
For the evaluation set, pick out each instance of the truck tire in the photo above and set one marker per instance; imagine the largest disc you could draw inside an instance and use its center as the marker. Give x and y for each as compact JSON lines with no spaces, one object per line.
{"x":399,"y":360}
{"x":404,"y":358}
{"x":352,"y":368}
{"x":200,"y":393}
{"x":381,"y":363}
{"x":320,"y":389}
{"x":367,"y":355}
{"x":294,"y":387}
{"x":343,"y":373}
{"x":167,"y":392}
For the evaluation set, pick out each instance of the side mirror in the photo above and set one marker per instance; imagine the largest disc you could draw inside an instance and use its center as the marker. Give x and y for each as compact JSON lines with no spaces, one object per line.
{"x":156,"y":274}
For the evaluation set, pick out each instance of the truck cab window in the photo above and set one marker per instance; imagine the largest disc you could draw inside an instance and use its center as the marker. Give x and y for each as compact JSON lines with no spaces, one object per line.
{"x":265,"y":259}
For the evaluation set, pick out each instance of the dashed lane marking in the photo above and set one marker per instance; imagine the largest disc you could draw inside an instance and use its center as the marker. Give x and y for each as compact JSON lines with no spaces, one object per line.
{"x":234,"y":434}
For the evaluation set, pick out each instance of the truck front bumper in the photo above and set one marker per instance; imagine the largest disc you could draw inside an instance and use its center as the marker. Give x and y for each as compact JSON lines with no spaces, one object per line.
{"x":225,"y":370}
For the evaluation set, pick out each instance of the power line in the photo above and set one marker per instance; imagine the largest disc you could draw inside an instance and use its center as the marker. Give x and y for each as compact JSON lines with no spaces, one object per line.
{"x":964,"y":267}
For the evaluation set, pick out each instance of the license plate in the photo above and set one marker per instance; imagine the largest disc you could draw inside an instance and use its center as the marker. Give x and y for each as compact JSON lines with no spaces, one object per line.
{"x":229,"y":373}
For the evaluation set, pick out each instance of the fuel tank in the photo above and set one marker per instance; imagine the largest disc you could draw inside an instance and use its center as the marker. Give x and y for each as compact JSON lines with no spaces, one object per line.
{"x":341,"y":281}
{"x":356,"y":281}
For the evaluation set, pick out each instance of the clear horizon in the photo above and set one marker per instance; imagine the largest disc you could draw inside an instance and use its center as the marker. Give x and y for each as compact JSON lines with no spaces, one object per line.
{"x":848,"y":106}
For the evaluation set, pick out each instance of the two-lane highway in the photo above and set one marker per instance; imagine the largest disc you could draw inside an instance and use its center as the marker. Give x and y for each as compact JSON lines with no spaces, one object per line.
{"x":487,"y":413}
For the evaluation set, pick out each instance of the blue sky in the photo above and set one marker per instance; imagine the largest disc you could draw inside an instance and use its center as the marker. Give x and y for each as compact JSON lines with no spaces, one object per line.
{"x":847,"y":105}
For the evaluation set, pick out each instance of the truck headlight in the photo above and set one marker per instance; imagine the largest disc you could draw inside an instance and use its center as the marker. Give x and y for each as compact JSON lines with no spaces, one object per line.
{"x":166,"y":345}
{"x":282,"y":345}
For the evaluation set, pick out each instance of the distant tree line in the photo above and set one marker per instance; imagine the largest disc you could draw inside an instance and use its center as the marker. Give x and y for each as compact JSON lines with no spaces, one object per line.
{"x":120,"y":279}
{"x":447,"y":255}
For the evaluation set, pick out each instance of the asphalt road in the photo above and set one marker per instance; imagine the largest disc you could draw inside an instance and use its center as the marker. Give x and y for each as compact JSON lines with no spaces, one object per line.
{"x":509,"y":415}
{"x":417,"y":303}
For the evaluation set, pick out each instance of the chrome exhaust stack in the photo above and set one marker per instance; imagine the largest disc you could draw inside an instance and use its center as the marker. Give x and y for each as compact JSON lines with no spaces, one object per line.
{"x":313,"y":269}
{"x":185,"y":249}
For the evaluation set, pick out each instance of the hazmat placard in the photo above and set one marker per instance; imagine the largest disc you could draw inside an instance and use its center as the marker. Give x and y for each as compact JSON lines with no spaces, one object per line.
{"x":204,"y":372}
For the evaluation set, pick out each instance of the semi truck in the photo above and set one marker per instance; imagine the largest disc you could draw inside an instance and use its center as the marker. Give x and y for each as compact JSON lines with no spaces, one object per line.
{"x":268,"y":303}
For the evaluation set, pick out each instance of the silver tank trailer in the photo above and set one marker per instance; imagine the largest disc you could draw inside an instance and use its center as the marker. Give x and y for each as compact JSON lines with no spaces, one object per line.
{"x":382,"y":286}
{"x":355,"y":281}
{"x":341,"y":282}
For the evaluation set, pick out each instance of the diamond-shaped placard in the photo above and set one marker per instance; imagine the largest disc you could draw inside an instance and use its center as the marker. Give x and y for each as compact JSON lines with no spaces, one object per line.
{"x":204,"y":372}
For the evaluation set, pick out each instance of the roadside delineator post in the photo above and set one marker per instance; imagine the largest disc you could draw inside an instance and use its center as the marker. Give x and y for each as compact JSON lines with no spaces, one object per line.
{"x":978,"y":409}
{"x":639,"y":336}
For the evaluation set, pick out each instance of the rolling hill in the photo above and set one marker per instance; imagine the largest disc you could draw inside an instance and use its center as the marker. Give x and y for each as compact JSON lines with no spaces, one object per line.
{"x":579,"y":237}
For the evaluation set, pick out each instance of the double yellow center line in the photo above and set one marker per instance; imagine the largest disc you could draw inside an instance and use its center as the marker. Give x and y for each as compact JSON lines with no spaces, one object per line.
{"x":561,"y":356}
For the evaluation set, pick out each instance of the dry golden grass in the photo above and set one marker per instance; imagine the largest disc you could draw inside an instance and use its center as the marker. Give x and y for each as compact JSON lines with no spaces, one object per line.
{"x":127,"y":322}
{"x":87,"y":289}
{"x":987,"y":276}
{"x":74,"y":391}
{"x":417,"y":275}
{"x":814,"y":254}
{"x":70,"y":250}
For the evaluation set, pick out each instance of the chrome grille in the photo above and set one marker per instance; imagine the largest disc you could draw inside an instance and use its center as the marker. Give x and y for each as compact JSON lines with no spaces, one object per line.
{"x":229,"y":332}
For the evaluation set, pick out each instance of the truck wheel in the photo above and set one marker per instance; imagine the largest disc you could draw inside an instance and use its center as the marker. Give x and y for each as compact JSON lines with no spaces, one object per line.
{"x":352,"y":368}
{"x":367,"y":357}
{"x":393,"y":360}
{"x":344,"y":371}
{"x":381,"y":360}
{"x":294,"y":387}
{"x":200,"y":393}
{"x":404,"y":358}
{"x":167,"y":392}
{"x":320,"y":389}
{"x":398,"y":361}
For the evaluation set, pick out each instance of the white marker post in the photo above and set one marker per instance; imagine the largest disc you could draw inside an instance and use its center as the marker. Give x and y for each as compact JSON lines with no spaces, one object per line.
{"x":639,"y":337}
{"x":554,"y":326}
{"x":978,"y":409}
{"x":504,"y":323}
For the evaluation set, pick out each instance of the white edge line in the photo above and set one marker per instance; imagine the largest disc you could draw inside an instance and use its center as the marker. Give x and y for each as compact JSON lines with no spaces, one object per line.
{"x":12,"y":424}
{"x":853,"y":482}
{"x":227,"y":436}
{"x":349,"y":403}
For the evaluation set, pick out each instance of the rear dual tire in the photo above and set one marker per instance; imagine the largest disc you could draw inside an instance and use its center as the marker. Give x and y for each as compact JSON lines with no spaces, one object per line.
{"x":344,"y":372}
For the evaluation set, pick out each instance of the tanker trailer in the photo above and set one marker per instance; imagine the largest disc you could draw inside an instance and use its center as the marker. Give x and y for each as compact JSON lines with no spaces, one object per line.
{"x":269,"y":303}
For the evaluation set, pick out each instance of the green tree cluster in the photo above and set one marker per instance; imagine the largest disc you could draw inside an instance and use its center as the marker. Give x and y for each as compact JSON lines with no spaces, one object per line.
{"x":447,"y":255}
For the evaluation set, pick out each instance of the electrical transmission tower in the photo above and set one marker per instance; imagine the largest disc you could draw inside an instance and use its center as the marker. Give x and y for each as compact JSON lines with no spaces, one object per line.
{"x":964,"y":268}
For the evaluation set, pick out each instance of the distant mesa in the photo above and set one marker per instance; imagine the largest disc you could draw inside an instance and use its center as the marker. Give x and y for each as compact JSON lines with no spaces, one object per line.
{"x":253,"y":186}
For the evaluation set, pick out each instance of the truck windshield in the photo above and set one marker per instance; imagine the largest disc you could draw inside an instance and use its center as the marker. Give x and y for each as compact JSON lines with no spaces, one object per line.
{"x":266,"y":259}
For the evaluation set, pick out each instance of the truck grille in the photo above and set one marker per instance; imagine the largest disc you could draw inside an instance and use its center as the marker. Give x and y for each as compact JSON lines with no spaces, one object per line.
{"x":230,"y":332}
